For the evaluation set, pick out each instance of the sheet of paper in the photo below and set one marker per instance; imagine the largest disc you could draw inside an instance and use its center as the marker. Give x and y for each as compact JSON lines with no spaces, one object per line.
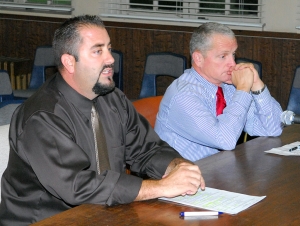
{"x":217,"y":200}
{"x":284,"y":150}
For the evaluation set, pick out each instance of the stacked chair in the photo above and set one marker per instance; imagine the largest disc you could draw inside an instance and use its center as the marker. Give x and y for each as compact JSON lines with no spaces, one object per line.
{"x":157,"y":64}
{"x":294,"y":97}
{"x":43,"y":59}
{"x":160,"y":64}
{"x":6,"y":93}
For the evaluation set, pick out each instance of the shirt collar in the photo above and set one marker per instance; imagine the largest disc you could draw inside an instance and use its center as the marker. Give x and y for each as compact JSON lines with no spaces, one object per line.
{"x":79,"y":101}
{"x":209,"y":86}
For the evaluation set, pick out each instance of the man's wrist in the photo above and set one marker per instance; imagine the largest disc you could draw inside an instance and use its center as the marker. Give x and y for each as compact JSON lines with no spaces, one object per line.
{"x":257,"y":92}
{"x":150,"y":189}
{"x":175,"y":162}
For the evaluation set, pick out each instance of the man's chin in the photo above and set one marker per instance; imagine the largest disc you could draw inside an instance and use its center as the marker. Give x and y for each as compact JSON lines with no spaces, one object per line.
{"x":103,"y":89}
{"x":107,"y":81}
{"x":228,"y":81}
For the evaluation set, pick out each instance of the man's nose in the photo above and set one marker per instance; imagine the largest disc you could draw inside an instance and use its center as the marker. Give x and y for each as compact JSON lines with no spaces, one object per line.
{"x":232,"y":61}
{"x":110,"y":59}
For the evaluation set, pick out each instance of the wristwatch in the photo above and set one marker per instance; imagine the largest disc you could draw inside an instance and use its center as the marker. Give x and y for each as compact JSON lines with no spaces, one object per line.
{"x":257,"y":92}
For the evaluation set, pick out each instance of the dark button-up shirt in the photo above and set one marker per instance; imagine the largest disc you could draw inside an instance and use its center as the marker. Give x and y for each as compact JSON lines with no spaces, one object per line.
{"x":52,"y":163}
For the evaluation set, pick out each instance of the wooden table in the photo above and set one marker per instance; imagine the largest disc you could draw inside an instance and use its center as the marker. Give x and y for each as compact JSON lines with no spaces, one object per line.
{"x":247,"y":169}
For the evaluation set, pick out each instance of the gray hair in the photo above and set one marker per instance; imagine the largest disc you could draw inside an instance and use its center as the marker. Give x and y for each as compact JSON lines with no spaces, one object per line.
{"x":201,"y":37}
{"x":67,"y":37}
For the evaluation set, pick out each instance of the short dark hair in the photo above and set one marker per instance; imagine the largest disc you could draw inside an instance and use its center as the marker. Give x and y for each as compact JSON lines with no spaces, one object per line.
{"x":67,"y":37}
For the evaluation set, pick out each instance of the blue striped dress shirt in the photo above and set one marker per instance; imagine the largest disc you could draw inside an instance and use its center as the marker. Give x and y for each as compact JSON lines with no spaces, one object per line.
{"x":187,"y":116}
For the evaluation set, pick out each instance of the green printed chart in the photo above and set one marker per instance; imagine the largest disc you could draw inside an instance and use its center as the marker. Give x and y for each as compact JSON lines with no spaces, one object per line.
{"x":217,"y":200}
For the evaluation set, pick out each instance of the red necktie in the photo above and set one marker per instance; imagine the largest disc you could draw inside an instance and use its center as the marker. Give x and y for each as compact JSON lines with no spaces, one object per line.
{"x":221,"y":103}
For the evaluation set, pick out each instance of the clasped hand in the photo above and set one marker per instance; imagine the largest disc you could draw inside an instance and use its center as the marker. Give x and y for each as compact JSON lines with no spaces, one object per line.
{"x":246,"y":78}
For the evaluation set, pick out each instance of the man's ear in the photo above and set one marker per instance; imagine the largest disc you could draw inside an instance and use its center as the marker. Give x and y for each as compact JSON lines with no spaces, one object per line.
{"x":69,"y":62}
{"x":198,"y":58}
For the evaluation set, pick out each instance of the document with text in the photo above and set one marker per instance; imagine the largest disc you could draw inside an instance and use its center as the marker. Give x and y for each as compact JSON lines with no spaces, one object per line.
{"x":292,"y":149}
{"x":217,"y":200}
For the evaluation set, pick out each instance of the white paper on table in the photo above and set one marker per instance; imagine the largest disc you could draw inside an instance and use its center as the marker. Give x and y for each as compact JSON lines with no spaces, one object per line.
{"x":284,"y":150}
{"x":217,"y":200}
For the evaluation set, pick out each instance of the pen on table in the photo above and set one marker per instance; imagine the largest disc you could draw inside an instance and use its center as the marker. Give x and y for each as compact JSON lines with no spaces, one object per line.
{"x":200,"y":213}
{"x":295,"y":148}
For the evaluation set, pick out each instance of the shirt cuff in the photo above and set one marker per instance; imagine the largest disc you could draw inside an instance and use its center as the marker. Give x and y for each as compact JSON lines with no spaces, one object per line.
{"x":263,"y":98}
{"x":126,"y":190}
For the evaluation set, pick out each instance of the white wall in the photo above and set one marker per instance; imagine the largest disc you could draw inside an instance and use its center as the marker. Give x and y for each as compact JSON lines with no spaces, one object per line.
{"x":281,"y":15}
{"x":85,"y":7}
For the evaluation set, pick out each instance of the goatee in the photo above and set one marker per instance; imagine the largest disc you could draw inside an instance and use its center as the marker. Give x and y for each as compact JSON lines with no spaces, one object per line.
{"x":101,"y":89}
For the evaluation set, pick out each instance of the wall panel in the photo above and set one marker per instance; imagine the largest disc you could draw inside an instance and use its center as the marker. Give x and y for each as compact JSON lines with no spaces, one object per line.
{"x":278,"y":52}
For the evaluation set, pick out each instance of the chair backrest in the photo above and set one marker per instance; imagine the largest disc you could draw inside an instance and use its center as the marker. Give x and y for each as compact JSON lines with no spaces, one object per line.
{"x":160,"y":64}
{"x":43,"y":59}
{"x":257,"y":64}
{"x":5,"y":86}
{"x":6,"y":92}
{"x":118,"y":68}
{"x":294,"y":98}
{"x":148,"y":107}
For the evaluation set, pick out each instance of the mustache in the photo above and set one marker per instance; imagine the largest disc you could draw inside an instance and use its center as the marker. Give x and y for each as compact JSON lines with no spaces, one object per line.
{"x":107,"y":66}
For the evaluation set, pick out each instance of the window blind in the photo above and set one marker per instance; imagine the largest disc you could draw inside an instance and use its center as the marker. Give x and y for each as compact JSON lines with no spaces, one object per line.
{"x":298,"y":13}
{"x":40,"y":5}
{"x":231,"y":12}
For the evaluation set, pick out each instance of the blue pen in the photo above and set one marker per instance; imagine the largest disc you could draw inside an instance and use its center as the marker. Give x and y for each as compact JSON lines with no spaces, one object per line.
{"x":200,"y":213}
{"x":295,"y":148}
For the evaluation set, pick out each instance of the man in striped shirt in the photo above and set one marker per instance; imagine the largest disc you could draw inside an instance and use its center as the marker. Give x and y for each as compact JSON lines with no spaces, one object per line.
{"x":188,"y":118}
